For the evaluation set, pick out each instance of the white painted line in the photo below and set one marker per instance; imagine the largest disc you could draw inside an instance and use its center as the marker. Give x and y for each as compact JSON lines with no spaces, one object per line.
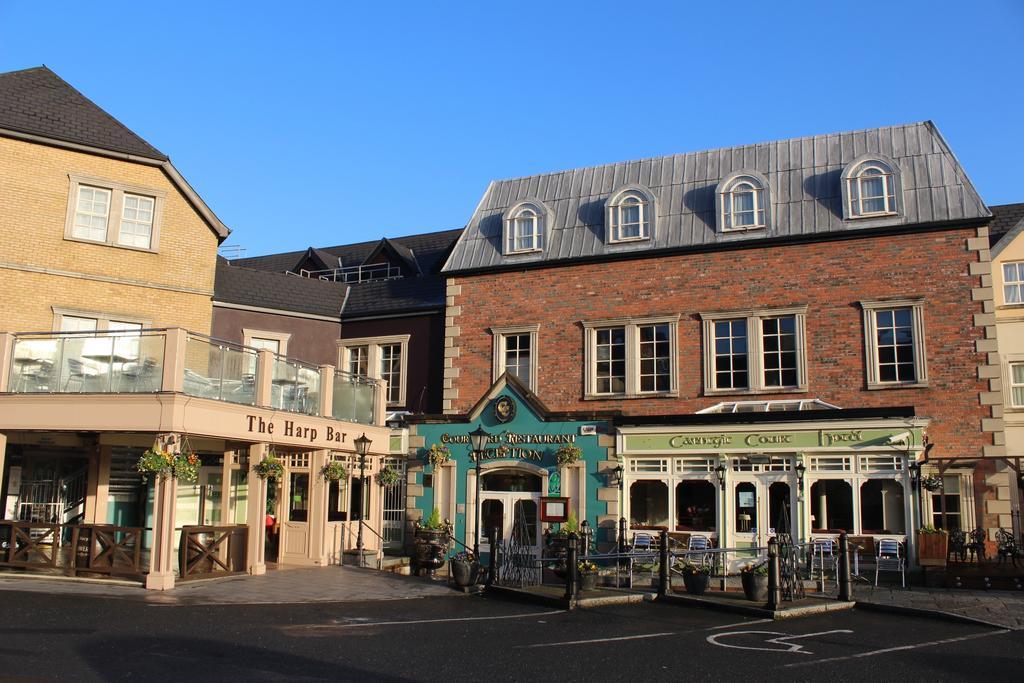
{"x":740,"y":623}
{"x":425,"y":621}
{"x":783,"y":639}
{"x":597,"y":640}
{"x":931,"y":643}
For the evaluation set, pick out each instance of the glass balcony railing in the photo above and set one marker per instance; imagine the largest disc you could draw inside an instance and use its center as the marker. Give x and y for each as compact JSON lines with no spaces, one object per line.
{"x":219,"y":370}
{"x":134,"y":362}
{"x":353,"y":399}
{"x":93,"y":362}
{"x":295,"y":386}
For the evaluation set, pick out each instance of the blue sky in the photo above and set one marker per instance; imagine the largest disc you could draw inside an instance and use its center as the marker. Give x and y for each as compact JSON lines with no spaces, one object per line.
{"x":321,"y":123}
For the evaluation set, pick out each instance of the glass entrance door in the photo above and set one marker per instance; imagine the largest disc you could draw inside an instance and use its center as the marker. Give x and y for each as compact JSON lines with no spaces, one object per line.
{"x":513,"y":514}
{"x":760,"y":505}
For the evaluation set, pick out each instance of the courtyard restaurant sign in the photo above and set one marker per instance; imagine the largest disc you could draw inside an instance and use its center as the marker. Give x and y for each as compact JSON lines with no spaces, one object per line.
{"x":780,"y":440}
{"x":510,"y":443}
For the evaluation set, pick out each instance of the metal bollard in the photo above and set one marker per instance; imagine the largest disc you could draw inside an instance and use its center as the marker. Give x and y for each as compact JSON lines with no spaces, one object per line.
{"x":774,"y":574}
{"x":570,"y":568}
{"x":663,"y":564}
{"x":622,"y":535}
{"x":845,"y":593}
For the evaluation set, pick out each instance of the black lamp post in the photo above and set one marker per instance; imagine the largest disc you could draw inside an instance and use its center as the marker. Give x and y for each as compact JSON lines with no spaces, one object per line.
{"x":362,"y":445}
{"x":800,"y":469}
{"x":478,"y":442}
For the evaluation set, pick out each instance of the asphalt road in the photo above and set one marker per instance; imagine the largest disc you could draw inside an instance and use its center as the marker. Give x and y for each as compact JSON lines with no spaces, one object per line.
{"x":76,"y":638}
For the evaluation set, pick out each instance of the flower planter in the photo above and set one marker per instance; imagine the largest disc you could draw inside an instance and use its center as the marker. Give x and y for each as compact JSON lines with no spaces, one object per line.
{"x":697,"y":584}
{"x":431,"y":547}
{"x":465,"y":573}
{"x":588,"y":581}
{"x":755,"y":586}
{"x":932,"y":549}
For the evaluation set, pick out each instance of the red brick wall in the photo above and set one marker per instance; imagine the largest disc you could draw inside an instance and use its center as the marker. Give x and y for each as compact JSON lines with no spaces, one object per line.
{"x":829,"y":277}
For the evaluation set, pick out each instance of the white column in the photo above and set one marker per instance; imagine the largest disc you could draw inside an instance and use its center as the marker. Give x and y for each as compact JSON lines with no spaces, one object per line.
{"x":256,"y":514}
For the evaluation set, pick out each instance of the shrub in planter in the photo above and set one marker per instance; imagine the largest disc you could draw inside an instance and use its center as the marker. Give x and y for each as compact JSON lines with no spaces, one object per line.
{"x":932,"y":546}
{"x":465,"y":569}
{"x":431,"y":542}
{"x":754,"y":578}
{"x":587,"y":574}
{"x":695,"y":577}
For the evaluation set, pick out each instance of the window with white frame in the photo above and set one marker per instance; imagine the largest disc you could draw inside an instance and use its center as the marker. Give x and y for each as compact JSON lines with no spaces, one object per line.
{"x":70,"y":320}
{"x":894,"y":339}
{"x":525,"y":224}
{"x":631,"y":357}
{"x":743,"y":202}
{"x":871,"y":188}
{"x":113,"y":213}
{"x":630,"y":215}
{"x":275,"y":342}
{"x":1013,"y":283}
{"x":755,"y":351}
{"x":1017,"y":385}
{"x":384,"y":358}
{"x":515,"y":352}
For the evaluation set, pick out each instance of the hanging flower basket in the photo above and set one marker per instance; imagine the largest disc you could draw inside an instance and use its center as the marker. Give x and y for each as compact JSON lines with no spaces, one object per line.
{"x":183,"y":467}
{"x":438,"y":454}
{"x":270,"y":467}
{"x":387,"y":476}
{"x":568,"y":453}
{"x":334,"y":470}
{"x":931,"y":483}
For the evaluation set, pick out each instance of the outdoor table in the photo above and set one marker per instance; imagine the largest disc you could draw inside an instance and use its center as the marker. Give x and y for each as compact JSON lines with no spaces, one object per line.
{"x":111,"y":359}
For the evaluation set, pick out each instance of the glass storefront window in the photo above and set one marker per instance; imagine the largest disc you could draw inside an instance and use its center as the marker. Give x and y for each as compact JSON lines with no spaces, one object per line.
{"x":695,"y":506}
{"x":337,"y":511}
{"x":648,"y":504}
{"x":778,"y":504}
{"x":510,"y":480}
{"x":881,"y":507}
{"x":492,"y":516}
{"x":298,"y":497}
{"x":831,"y":506}
{"x":746,"y":507}
{"x":951,"y":492}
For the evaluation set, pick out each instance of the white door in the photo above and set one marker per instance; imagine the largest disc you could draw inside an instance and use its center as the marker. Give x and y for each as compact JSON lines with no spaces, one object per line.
{"x":515,"y":515}
{"x":759,"y":505}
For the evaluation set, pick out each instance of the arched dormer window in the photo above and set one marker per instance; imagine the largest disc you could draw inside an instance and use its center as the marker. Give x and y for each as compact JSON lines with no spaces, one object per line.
{"x":744,"y":202}
{"x":630,"y":214}
{"x":871,"y":187}
{"x":525,"y":226}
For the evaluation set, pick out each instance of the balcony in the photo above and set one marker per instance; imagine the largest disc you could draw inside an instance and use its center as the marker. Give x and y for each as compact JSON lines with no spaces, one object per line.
{"x":177,"y":361}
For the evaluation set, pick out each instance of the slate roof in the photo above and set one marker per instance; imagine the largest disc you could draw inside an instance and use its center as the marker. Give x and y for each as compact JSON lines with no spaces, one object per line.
{"x":279,"y":291}
{"x":803,"y":175}
{"x":428,"y":249}
{"x":39,"y":102}
{"x":395,"y":296}
{"x":1007,"y":223}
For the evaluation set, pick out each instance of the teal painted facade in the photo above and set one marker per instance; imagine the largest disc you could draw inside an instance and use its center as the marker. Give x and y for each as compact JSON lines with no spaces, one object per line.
{"x":517,"y":436}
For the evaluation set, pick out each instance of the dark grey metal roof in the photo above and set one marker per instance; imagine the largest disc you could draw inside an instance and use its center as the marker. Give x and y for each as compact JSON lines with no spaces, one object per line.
{"x":803,"y":175}
{"x":277,"y":291}
{"x":39,"y":102}
{"x":405,"y":295}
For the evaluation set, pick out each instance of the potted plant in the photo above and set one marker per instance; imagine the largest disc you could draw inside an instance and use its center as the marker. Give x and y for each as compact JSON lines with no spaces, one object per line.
{"x":334,"y":470}
{"x":754,"y":578}
{"x":431,"y":542}
{"x":465,"y":568}
{"x":182,"y":466}
{"x":567,"y":454}
{"x":386,"y":476}
{"x":438,"y":454}
{"x":696,"y":577}
{"x":932,"y":546}
{"x":270,"y":467}
{"x":931,"y":483}
{"x":588,"y":575}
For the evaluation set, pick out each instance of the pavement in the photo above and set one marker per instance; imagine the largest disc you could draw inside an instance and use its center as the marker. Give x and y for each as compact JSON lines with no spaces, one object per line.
{"x":998,"y":608}
{"x":65,"y":637}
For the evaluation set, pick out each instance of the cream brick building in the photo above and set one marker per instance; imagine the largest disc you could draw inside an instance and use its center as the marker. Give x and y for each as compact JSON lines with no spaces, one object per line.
{"x":96,"y":223}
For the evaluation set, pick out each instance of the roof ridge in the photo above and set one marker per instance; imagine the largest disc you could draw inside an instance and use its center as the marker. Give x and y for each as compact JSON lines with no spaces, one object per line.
{"x":713,"y":149}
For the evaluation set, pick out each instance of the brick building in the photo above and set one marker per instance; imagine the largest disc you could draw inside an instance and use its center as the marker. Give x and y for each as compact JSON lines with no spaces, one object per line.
{"x":805,"y":325}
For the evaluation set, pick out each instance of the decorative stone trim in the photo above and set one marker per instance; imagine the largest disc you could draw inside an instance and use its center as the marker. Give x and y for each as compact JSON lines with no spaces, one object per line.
{"x":452,"y":332}
{"x":992,"y":401}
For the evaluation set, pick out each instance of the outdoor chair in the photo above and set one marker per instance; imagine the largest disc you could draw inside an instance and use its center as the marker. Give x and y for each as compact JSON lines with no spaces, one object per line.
{"x":891,"y":559}
{"x":143,"y":376}
{"x":957,"y":545}
{"x":976,"y":544}
{"x":78,"y":372}
{"x":823,"y":554}
{"x":700,"y":543}
{"x":1007,"y":546}
{"x":644,"y":552}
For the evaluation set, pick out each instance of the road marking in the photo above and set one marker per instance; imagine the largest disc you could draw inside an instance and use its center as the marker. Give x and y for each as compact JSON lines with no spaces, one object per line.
{"x":783,"y":639}
{"x":596,"y":640}
{"x":640,"y":637}
{"x":898,"y":648}
{"x":302,"y":627}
